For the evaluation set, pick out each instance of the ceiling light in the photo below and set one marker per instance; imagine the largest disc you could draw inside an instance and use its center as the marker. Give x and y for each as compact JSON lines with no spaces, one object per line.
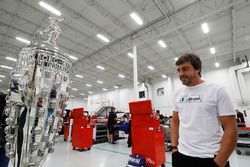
{"x":100,"y":67}
{"x":217,"y":64}
{"x":82,"y":94}
{"x":85,"y":98}
{"x":75,"y":89}
{"x":130,"y":55}
{"x":104,"y":89}
{"x":2,"y":76}
{"x":0,"y":80}
{"x":71,"y":96}
{"x":6,"y":67}
{"x":176,"y":58}
{"x":151,"y":67}
{"x":17,"y":75}
{"x":23,"y":40}
{"x":11,"y":59}
{"x":121,"y":76}
{"x":88,"y":85}
{"x":79,"y":76}
{"x":136,"y":18}
{"x":73,"y":57}
{"x":116,"y":87}
{"x":50,"y":8}
{"x":163,"y":76}
{"x":162,"y":43}
{"x":100,"y":82}
{"x":102,"y":37}
{"x":205,"y":28}
{"x":90,"y":92}
{"x":212,"y":50}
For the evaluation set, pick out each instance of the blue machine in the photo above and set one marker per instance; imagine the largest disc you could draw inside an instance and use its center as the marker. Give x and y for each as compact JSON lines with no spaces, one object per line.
{"x":136,"y":161}
{"x":122,"y":127}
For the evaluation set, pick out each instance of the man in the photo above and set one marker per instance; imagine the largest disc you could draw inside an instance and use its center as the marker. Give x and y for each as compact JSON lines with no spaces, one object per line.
{"x":201,"y":109}
{"x":240,"y":119}
{"x":111,"y":123}
{"x":4,"y":161}
{"x":129,"y":141}
{"x":160,"y":115}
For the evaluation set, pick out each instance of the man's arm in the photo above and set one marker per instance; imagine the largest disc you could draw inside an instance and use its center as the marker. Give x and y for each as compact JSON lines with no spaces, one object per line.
{"x":174,"y":130}
{"x":229,"y":140}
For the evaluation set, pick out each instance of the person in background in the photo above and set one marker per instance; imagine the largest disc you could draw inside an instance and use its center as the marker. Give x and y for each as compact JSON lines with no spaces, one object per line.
{"x":240,"y":119}
{"x":112,"y":120}
{"x":161,"y":117}
{"x":4,"y":160}
{"x":159,"y":113}
{"x":200,"y":111}
{"x":170,"y":120}
{"x":125,"y":118}
{"x":129,"y":141}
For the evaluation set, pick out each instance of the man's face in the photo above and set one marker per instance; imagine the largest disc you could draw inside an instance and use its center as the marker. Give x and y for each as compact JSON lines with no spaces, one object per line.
{"x":187,"y":74}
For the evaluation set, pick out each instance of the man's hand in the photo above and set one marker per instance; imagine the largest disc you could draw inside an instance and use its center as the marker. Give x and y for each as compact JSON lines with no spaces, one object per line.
{"x":214,"y":164}
{"x":174,"y":150}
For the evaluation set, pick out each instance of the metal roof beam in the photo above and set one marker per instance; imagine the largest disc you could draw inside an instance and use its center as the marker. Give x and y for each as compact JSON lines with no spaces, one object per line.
{"x":145,"y":34}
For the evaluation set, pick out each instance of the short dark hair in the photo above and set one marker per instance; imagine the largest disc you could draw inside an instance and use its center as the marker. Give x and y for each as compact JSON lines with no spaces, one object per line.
{"x":158,"y":111}
{"x":193,"y":59}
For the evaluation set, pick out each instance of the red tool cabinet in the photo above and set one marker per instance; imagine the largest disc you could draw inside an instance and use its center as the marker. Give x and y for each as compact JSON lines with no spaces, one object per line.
{"x":147,"y":134}
{"x":82,"y":130}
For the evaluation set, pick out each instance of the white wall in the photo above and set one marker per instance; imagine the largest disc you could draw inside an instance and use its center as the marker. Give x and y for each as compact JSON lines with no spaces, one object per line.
{"x":77,"y":103}
{"x":247,"y":80}
{"x":98,"y":100}
{"x":120,"y":98}
{"x":163,"y":102}
{"x":222,"y":78}
{"x":126,"y":95}
{"x":247,"y":108}
{"x":173,"y":84}
{"x":219,"y":76}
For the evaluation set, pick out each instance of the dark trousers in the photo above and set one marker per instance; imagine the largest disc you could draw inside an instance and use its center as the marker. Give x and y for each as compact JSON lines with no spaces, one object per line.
{"x":4,"y":160}
{"x":181,"y":160}
{"x":129,"y":141}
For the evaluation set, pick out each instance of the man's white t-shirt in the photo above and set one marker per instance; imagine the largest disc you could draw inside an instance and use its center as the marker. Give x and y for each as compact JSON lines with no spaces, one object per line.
{"x":199,"y":108}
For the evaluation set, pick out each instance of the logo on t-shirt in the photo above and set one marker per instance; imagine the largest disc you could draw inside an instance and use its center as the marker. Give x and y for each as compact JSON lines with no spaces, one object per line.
{"x":191,"y":99}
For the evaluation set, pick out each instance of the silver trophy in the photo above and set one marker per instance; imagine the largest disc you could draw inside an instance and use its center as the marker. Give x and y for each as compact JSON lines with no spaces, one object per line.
{"x":39,"y":88}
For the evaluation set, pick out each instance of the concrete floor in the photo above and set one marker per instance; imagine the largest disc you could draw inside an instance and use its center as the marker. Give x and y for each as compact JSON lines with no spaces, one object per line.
{"x":109,"y":155}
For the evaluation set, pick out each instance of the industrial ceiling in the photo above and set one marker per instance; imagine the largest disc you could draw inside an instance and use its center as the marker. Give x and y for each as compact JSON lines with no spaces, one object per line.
{"x":176,"y":23}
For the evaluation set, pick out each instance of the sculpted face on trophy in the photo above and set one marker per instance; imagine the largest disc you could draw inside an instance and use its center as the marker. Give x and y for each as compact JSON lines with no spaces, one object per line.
{"x":38,"y":92}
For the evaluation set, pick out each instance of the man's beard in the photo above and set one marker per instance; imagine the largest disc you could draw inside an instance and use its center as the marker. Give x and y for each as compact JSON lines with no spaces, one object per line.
{"x":188,"y":81}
